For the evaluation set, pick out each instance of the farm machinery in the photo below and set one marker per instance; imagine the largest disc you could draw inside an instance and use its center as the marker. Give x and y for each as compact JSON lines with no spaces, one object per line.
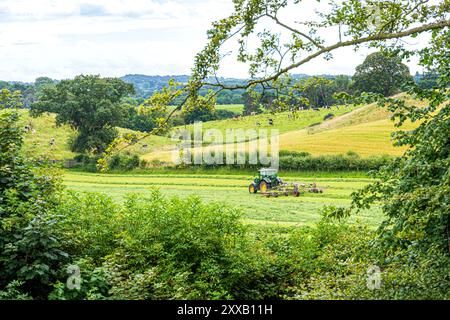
{"x":269,"y":184}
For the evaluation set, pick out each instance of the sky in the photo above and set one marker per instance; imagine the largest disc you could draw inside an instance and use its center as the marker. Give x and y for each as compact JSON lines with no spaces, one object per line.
{"x":64,"y":38}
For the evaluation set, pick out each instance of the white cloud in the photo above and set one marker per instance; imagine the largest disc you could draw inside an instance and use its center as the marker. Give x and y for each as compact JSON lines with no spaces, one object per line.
{"x":61,"y":39}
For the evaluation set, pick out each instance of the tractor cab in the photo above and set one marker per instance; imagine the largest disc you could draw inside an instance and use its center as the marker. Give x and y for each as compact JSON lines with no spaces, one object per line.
{"x":266,"y":179}
{"x":268,"y":172}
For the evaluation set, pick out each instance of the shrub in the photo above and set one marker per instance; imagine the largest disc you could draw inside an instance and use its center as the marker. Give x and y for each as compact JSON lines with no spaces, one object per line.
{"x":30,"y":249}
{"x":125,"y":162}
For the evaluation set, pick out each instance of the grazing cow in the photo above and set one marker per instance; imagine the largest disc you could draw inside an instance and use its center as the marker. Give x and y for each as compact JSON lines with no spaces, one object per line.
{"x":144,"y":146}
{"x":270,"y":122}
{"x":27,"y":128}
{"x":253,"y":114}
{"x":52,"y":142}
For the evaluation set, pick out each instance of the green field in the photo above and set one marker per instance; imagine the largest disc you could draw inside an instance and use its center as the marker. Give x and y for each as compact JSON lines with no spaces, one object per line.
{"x":232,"y":190}
{"x":236,"y":108}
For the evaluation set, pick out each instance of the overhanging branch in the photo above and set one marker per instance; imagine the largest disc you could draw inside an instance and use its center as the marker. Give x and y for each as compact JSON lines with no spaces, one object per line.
{"x":378,"y":37}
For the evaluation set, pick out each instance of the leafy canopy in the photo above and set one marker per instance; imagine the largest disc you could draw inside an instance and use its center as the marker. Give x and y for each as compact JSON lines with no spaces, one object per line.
{"x":381,"y":73}
{"x":91,"y":105}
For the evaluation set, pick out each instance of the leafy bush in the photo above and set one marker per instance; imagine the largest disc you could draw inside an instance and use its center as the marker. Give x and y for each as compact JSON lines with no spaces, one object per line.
{"x":30,"y":250}
{"x":125,"y":162}
{"x":303,"y":161}
{"x":152,"y":247}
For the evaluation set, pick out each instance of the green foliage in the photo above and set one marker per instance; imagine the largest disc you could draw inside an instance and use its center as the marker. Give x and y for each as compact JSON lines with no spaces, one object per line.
{"x":30,"y":250}
{"x":91,"y":105}
{"x":414,"y":189}
{"x":10,"y":99}
{"x":332,"y":262}
{"x":381,"y":73}
{"x":125,"y":162}
{"x":142,"y":118}
{"x":319,"y":90}
{"x":303,"y":161}
{"x":202,"y":113}
{"x":13,"y":291}
{"x":156,"y":248}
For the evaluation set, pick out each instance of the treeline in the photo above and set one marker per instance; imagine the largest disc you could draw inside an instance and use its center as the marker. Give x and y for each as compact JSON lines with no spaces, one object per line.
{"x":304,"y":161}
{"x":145,"y":86}
{"x":288,"y":161}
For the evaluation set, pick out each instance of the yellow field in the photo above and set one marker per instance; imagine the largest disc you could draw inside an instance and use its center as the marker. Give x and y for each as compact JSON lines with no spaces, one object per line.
{"x":372,"y":138}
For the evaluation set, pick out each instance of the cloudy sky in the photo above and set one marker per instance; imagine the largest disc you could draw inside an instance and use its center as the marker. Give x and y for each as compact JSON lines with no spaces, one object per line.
{"x":63,"y":38}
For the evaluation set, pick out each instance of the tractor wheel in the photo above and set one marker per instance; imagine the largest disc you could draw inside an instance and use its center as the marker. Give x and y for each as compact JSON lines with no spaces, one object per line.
{"x":252,"y":188}
{"x":264,"y":187}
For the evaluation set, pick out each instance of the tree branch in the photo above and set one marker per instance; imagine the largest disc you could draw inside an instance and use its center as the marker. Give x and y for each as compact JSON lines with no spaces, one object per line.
{"x":318,"y":45}
{"x":377,"y":37}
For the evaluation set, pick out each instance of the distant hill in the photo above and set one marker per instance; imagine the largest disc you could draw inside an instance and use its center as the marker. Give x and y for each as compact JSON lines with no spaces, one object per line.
{"x":146,"y":85}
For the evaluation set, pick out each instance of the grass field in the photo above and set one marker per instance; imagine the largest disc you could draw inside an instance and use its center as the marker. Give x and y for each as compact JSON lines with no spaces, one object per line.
{"x":281,"y":121}
{"x":231,"y":189}
{"x":236,"y":108}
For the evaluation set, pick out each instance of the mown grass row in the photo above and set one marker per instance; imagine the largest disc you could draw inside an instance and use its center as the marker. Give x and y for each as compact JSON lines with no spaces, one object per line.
{"x":231,"y":190}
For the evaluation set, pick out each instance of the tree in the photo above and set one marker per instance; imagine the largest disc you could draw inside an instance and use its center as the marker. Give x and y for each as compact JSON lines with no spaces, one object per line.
{"x":380,"y":73}
{"x":251,"y":104}
{"x":318,"y":90}
{"x":414,"y":190}
{"x":427,"y":80}
{"x":198,"y":114}
{"x":42,"y":82}
{"x":278,"y":46}
{"x":141,"y":118}
{"x":91,"y":105}
{"x":10,"y":100}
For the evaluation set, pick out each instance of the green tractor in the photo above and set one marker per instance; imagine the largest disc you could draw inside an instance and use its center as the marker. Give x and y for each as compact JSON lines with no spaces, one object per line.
{"x":266,"y":180}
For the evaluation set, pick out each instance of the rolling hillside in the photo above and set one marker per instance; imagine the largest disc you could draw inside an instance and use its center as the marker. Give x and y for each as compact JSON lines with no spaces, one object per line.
{"x":365,"y":130}
{"x":44,"y":129}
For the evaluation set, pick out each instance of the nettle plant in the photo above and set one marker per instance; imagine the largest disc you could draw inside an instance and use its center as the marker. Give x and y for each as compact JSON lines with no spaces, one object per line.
{"x":273,"y":42}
